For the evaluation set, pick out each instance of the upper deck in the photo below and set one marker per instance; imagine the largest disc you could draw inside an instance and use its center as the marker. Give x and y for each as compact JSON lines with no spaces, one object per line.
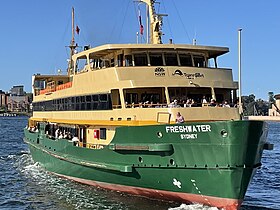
{"x":119,"y":77}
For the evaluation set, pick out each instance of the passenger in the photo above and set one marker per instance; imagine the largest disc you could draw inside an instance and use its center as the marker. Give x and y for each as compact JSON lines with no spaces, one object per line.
{"x":225,"y":104}
{"x":157,"y":105}
{"x":65,"y":135}
{"x":75,"y":141}
{"x":47,"y":128}
{"x":213,"y":103}
{"x":56,"y":133}
{"x":60,"y":135}
{"x":204,"y":101}
{"x":145,"y":104}
{"x":190,"y":102}
{"x":171,"y":105}
{"x":150,"y":105}
{"x":179,"y":118}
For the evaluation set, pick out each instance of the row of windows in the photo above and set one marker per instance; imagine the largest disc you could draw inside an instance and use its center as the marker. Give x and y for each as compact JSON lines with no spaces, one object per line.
{"x":78,"y":103}
{"x":146,"y":59}
{"x":167,"y":59}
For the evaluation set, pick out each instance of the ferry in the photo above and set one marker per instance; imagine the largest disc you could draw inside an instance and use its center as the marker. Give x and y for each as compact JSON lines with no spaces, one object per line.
{"x":154,"y":120}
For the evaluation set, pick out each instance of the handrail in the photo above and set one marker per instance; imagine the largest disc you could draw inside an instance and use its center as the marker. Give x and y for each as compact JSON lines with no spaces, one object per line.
{"x":53,"y":88}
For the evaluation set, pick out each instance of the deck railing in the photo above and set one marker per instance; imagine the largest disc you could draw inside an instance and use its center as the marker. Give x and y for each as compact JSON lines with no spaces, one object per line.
{"x":52,"y":88}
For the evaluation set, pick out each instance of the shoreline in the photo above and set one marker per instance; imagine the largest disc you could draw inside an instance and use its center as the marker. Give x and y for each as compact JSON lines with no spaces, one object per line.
{"x":264,"y":118}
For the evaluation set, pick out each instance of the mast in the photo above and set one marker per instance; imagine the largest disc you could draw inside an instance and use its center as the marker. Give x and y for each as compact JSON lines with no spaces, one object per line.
{"x":72,"y":45}
{"x":155,"y":22}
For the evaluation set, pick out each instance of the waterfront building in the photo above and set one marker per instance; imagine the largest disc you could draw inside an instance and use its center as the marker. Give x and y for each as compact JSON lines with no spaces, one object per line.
{"x":17,"y":90}
{"x":3,"y":99}
{"x":18,"y":101}
{"x":18,"y":104}
{"x":274,"y":109}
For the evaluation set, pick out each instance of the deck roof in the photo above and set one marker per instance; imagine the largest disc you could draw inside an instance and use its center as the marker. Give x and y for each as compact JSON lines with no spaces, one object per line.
{"x":108,"y":48}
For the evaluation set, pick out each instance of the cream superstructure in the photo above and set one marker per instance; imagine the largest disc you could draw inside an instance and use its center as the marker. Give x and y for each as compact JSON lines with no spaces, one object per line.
{"x":137,"y":84}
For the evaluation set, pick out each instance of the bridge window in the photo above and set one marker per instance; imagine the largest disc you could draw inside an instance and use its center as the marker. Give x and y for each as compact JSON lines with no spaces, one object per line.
{"x":140,"y":59}
{"x":171,"y":59}
{"x":156,"y":59}
{"x":185,"y":60}
{"x":120,"y":60}
{"x":199,"y":61}
{"x":128,"y":60}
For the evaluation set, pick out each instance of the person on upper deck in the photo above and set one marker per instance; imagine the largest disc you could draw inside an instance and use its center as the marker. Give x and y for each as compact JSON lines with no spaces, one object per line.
{"x":213,"y":102}
{"x":225,"y":104}
{"x":179,"y":118}
{"x":204,"y":101}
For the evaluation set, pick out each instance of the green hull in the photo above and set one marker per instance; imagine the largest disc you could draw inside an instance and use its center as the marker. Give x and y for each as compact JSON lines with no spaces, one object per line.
{"x":210,"y":163}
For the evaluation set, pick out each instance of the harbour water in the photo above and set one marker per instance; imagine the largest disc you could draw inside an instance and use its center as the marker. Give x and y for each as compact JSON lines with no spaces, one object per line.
{"x":25,"y":185}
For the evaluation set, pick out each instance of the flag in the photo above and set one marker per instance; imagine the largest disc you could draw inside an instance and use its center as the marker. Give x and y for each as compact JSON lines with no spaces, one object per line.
{"x":77,"y":29}
{"x":141,"y":25}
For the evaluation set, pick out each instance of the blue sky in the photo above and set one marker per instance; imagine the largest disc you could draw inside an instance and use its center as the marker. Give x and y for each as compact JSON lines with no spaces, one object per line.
{"x":34,"y":34}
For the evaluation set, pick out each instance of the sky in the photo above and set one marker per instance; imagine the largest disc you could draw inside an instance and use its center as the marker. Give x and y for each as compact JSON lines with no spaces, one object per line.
{"x":34,"y":34}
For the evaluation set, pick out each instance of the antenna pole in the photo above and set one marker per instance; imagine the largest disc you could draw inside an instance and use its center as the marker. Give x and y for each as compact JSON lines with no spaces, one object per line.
{"x":147,"y":23}
{"x":72,"y":45}
{"x":239,"y":70}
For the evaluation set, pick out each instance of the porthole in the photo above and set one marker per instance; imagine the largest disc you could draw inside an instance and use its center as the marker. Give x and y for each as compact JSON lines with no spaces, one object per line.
{"x":224,"y":133}
{"x":172,"y":162}
{"x":159,"y":134}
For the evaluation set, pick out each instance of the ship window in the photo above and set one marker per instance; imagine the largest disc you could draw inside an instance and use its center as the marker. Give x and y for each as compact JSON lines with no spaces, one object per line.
{"x":185,"y":60}
{"x":212,"y":63}
{"x":128,"y":60}
{"x":224,"y":94}
{"x":104,"y":63}
{"x":88,"y":106}
{"x":94,"y":105}
{"x":120,"y":60}
{"x":71,"y":106}
{"x":98,"y":102}
{"x":171,"y":59}
{"x":88,"y":98}
{"x":81,"y":63}
{"x":112,"y":63}
{"x":199,"y":61}
{"x":83,"y":106}
{"x":150,"y":97}
{"x":140,"y":59}
{"x":103,"y":97}
{"x":103,"y":133}
{"x":156,"y":59}
{"x":131,"y":98}
{"x":116,"y":101}
{"x":182,"y":95}
{"x":95,"y":98}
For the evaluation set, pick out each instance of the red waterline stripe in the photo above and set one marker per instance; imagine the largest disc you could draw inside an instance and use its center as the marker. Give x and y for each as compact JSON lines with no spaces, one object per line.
{"x":225,"y":203}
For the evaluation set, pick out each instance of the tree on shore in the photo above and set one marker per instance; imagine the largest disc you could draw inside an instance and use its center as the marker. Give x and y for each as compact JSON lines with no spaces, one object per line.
{"x":251,"y":106}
